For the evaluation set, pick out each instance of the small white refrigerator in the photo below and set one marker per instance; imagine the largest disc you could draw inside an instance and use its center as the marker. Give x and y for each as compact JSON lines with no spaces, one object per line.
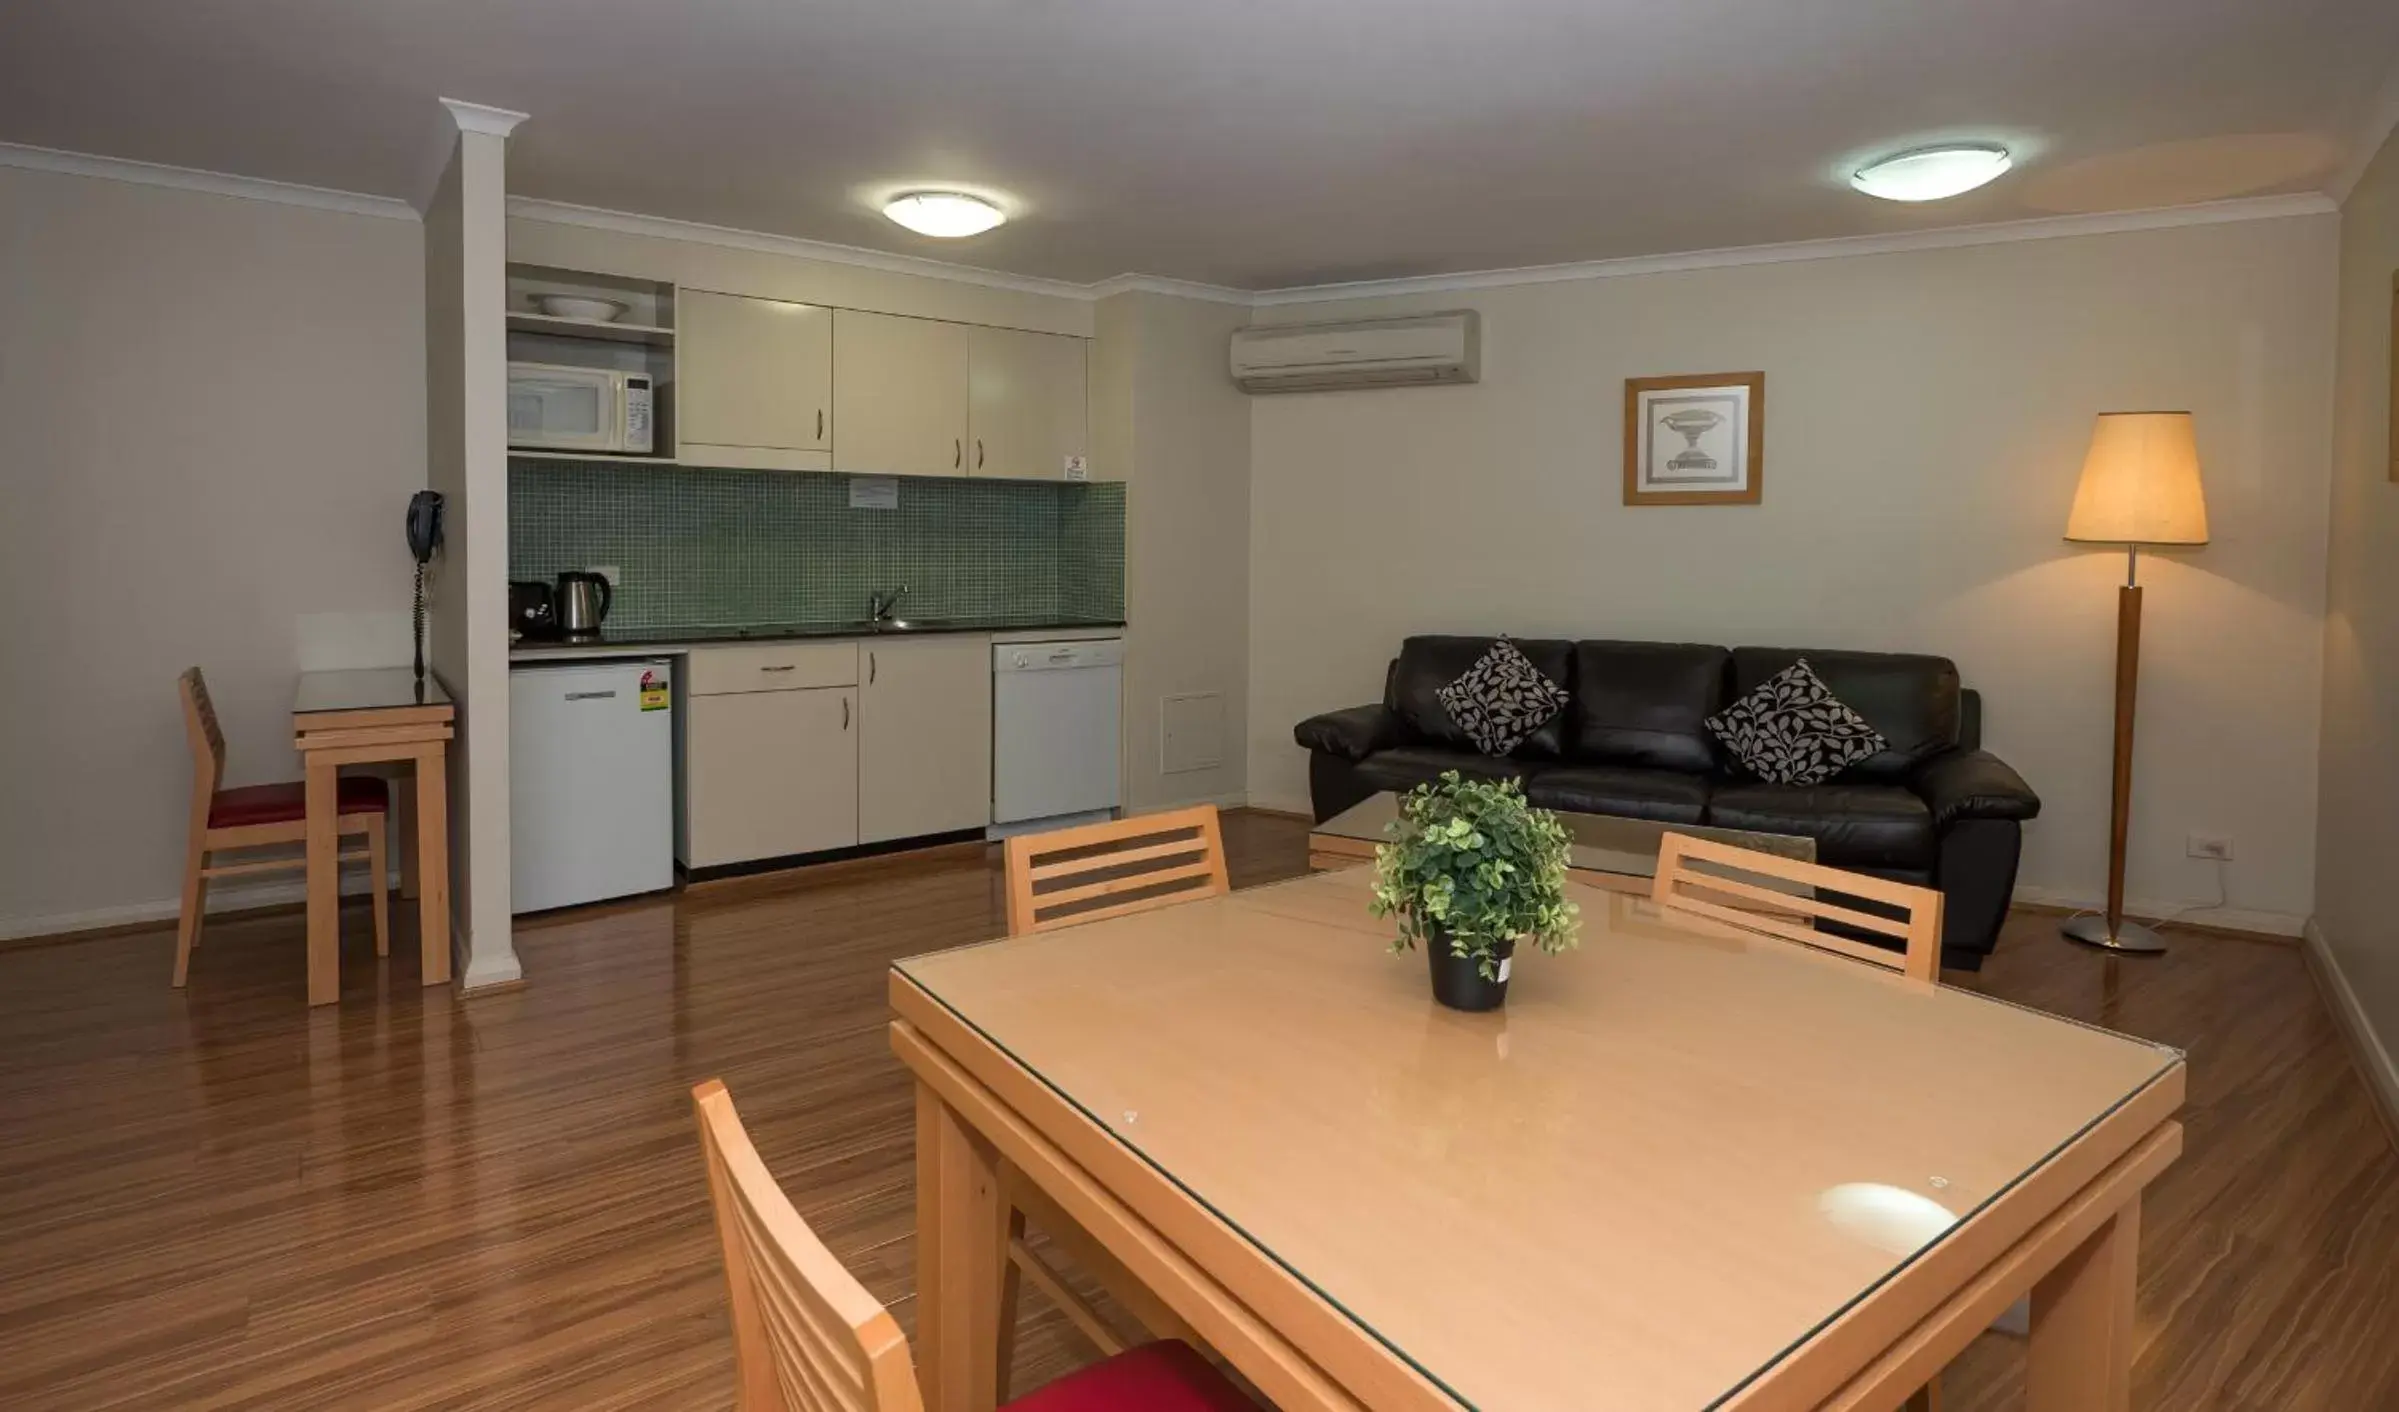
{"x":591,"y":781}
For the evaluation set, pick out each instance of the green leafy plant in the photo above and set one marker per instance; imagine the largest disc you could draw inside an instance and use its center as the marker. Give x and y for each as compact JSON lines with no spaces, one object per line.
{"x":1471,"y":863}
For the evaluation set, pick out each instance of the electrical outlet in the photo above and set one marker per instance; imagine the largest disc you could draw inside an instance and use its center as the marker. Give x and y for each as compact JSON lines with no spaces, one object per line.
{"x":2209,"y":845}
{"x":608,"y":572}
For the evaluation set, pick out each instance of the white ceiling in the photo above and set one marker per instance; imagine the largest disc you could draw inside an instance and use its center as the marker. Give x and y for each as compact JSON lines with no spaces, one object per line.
{"x":1250,"y":143}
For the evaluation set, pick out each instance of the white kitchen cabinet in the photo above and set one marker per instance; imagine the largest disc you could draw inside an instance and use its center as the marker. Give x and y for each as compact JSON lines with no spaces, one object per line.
{"x":768,"y":745}
{"x":1026,"y":403}
{"x":924,"y":745}
{"x":899,"y":395}
{"x":754,"y":382}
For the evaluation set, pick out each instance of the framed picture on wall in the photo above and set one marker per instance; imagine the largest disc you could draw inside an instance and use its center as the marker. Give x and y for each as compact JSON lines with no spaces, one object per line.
{"x":1698,"y":439}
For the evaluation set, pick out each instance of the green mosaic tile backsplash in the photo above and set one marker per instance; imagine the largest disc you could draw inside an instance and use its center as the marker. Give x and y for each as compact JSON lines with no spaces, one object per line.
{"x":701,"y":548}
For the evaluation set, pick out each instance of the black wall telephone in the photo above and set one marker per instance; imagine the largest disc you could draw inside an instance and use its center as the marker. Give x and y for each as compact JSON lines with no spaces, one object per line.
{"x":424,"y":537}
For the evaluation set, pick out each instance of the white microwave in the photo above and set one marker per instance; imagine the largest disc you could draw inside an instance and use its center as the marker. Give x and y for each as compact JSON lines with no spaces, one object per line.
{"x":559,"y":408}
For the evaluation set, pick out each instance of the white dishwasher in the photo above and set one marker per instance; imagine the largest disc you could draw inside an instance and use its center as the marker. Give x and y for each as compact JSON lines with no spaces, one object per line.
{"x":1055,"y":712}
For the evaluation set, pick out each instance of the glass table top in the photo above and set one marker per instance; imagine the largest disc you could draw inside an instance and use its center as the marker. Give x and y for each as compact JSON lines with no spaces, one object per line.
{"x":367,"y":689}
{"x":1597,"y":843}
{"x":1677,"y":1152}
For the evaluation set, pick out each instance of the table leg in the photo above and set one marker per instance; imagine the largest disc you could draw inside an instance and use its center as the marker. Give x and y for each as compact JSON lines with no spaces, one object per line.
{"x":2082,"y":1323}
{"x":433,"y":864}
{"x":404,"y":825}
{"x":324,"y":888}
{"x":960,"y":1256}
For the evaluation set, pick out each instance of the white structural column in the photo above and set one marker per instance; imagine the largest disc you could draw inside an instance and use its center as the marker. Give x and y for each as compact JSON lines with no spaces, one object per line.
{"x":466,"y":411}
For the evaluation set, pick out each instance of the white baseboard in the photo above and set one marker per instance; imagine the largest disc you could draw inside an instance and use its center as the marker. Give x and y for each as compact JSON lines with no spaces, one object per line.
{"x":1294,"y":804}
{"x":2239,"y":919}
{"x":2374,"y":1063}
{"x":222,"y":897}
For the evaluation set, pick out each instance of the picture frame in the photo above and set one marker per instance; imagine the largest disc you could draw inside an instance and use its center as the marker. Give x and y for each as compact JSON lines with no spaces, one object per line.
{"x":1695,"y":439}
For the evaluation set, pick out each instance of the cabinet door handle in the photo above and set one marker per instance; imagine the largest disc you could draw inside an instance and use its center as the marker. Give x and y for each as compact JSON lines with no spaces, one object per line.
{"x":786,"y":667}
{"x":957,"y":453}
{"x":870,"y":669}
{"x":978,"y":453}
{"x":845,"y":713}
{"x":820,"y":423}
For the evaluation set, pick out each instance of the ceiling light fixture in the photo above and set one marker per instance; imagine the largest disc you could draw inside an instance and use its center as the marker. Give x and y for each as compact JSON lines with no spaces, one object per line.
{"x":1932,"y":173}
{"x":949,"y":215}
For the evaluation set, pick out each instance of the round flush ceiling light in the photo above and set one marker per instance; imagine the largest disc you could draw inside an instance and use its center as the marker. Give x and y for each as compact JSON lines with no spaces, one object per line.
{"x":950,"y":215}
{"x":1932,"y":173}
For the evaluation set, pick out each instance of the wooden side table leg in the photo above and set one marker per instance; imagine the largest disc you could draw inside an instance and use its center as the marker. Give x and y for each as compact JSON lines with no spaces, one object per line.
{"x":961,"y":1230}
{"x":2082,"y":1323}
{"x":404,"y":814}
{"x":324,"y":888}
{"x":433,"y":864}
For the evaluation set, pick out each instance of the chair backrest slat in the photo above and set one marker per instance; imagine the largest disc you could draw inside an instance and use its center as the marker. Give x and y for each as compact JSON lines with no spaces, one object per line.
{"x":1151,"y":860}
{"x":200,"y":728}
{"x":807,"y":1337}
{"x":1691,"y":870}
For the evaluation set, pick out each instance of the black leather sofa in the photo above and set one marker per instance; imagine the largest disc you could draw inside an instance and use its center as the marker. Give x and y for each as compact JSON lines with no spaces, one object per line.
{"x":1934,"y":809}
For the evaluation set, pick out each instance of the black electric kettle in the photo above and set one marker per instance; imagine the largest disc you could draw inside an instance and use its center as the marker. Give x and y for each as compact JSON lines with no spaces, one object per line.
{"x":581,"y":603}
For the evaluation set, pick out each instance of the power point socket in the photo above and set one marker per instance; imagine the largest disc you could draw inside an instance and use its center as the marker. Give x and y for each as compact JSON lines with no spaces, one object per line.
{"x":2208,"y":845}
{"x":608,"y":572}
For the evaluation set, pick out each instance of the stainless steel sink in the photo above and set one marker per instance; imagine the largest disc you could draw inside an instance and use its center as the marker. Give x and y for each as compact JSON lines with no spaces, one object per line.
{"x":914,"y":625}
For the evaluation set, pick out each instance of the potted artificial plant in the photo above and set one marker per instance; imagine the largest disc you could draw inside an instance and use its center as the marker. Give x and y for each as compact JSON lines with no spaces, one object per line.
{"x":1471,"y":870}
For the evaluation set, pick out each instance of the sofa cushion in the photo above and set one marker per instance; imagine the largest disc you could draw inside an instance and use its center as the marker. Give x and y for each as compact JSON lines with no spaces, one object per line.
{"x":1412,"y":765}
{"x":1626,"y":791}
{"x":1647,"y":703}
{"x":1501,"y":699}
{"x":1427,"y":664}
{"x":1793,"y":730}
{"x":1911,"y":699}
{"x":1854,"y":825}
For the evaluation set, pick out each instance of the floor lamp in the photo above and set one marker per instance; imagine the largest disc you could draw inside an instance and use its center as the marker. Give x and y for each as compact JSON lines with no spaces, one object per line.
{"x":2140,"y":485}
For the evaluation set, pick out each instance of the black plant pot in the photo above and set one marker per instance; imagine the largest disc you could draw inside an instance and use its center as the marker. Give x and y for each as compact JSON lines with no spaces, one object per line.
{"x":1458,"y":980}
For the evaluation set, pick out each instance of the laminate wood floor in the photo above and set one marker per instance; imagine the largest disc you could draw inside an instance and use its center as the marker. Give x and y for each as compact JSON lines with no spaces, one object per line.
{"x":217,"y":1198}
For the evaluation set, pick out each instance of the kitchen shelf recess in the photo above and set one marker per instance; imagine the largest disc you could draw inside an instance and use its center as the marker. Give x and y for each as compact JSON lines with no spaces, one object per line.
{"x":641,"y":339}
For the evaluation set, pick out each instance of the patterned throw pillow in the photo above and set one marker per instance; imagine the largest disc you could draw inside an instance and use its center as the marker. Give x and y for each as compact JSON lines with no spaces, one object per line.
{"x":1793,"y":730}
{"x":1501,"y":699}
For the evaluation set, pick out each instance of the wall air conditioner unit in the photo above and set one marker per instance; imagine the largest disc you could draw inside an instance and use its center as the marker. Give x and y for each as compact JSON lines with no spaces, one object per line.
{"x":1428,"y":348}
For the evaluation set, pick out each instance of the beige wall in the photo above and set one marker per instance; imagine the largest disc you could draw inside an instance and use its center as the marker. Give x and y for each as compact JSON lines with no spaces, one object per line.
{"x":2358,"y":828}
{"x":1926,"y":418}
{"x":215,"y":413}
{"x":1165,"y":411}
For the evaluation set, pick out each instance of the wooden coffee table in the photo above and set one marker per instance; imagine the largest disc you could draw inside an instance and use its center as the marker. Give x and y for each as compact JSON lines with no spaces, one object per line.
{"x":1611,"y":852}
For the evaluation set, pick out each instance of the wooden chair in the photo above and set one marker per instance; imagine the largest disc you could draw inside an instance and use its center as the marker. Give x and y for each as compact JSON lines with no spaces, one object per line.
{"x":261,"y":816}
{"x":1067,"y":876}
{"x":1793,"y":915}
{"x":1779,"y":912}
{"x":1058,"y":879}
{"x":807,"y":1337}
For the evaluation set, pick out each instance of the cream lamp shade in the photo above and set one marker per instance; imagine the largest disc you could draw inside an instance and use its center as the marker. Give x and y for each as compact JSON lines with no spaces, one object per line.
{"x":2140,"y":482}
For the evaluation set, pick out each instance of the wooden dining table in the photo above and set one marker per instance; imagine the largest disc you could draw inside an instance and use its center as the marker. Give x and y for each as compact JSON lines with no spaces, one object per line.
{"x":375,"y":716}
{"x":1686,"y":1166}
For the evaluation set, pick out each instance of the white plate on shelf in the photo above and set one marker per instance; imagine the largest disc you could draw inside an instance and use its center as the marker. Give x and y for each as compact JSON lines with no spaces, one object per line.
{"x":579,"y":306}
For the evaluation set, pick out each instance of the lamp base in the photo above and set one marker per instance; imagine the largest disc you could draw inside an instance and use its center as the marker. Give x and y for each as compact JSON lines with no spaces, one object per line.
{"x":2130,"y":936}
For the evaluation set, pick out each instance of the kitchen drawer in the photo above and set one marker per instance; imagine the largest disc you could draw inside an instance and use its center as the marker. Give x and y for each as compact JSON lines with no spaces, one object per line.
{"x":790,"y":666}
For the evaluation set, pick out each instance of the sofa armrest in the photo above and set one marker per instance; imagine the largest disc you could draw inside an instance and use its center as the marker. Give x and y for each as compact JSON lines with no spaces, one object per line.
{"x":1973,"y":784}
{"x":1353,"y":733}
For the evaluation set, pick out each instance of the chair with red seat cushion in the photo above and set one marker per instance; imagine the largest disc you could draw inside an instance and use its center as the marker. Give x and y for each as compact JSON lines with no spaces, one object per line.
{"x":807,"y":1337}
{"x":287,"y":802}
{"x":262,"y":816}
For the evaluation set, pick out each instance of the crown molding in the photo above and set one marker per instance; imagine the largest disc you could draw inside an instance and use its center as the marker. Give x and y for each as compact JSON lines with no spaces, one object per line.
{"x":483,"y":118}
{"x":1174,"y":288}
{"x":2382,"y":119}
{"x":44,"y":159}
{"x":1839,"y":247}
{"x":668,"y":228}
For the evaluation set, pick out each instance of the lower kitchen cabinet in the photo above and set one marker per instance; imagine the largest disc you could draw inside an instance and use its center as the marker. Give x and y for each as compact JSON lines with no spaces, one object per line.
{"x":924,"y":742}
{"x":769,"y":773}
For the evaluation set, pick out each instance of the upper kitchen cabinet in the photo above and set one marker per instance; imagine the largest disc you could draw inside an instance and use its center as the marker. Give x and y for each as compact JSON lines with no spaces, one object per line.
{"x":1025,"y":403}
{"x":756,"y":379}
{"x":900,"y":401}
